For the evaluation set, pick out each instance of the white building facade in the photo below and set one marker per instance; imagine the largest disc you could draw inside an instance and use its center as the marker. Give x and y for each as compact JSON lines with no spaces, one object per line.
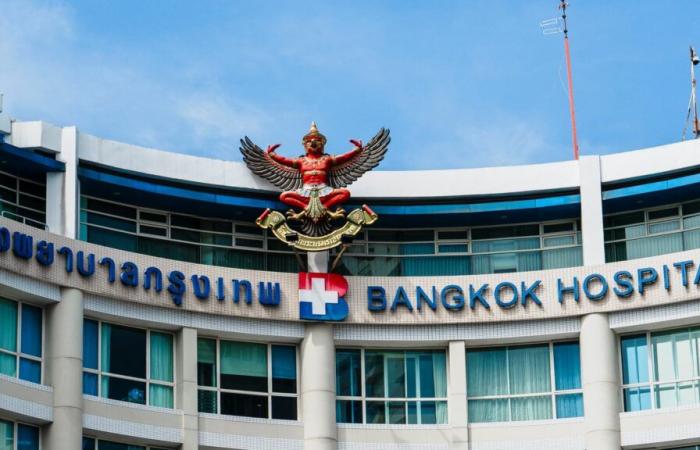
{"x":550,"y":306}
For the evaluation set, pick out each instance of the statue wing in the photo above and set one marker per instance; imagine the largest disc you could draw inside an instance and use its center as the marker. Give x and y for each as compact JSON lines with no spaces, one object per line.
{"x":370,"y":156}
{"x":262,"y":165}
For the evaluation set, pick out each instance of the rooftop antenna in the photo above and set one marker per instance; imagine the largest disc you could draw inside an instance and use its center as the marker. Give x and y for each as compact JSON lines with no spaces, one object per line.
{"x":555,"y":26}
{"x":692,"y":105}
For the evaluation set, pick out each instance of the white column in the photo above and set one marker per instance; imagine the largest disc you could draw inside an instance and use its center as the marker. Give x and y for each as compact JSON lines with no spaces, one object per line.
{"x":601,"y":384}
{"x":64,"y":371}
{"x":457,"y":397}
{"x":62,"y":191}
{"x":591,"y":211}
{"x":186,"y":394}
{"x":318,"y":376}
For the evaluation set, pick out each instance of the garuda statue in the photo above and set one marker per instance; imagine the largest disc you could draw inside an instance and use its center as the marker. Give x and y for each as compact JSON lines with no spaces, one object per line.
{"x":315,"y":183}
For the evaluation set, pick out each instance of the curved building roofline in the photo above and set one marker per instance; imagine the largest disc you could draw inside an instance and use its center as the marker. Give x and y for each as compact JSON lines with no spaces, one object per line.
{"x":473,"y":182}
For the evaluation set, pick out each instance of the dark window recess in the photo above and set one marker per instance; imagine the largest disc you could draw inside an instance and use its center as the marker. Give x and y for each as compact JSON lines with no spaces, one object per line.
{"x":284,"y":408}
{"x":38,"y":190}
{"x":111,"y":208}
{"x":244,"y":405}
{"x":127,"y":354}
{"x":243,"y":382}
{"x":691,"y":208}
{"x":255,"y":243}
{"x":455,"y":234}
{"x":153,"y":217}
{"x":124,"y":390}
{"x":185,"y":235}
{"x":245,"y":229}
{"x":156,"y":231}
{"x":663,"y":213}
{"x":624,"y":219}
{"x":558,"y":227}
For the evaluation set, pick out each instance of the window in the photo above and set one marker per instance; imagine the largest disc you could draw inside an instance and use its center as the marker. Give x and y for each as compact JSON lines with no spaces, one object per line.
{"x":18,"y":436}
{"x":463,"y":251}
{"x":652,"y":232}
{"x":128,"y":364}
{"x":379,"y":252}
{"x":23,"y":199}
{"x":660,"y":370}
{"x":395,"y":387}
{"x":532,"y":382}
{"x":181,"y":237}
{"x":247,"y":379}
{"x":99,"y":444}
{"x":21,"y":340}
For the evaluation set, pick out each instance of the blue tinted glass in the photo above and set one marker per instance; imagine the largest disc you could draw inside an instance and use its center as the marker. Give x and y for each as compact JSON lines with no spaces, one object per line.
{"x":635,"y":367}
{"x":89,"y":383}
{"x":31,"y":330}
{"x":27,"y":437}
{"x":637,"y":399}
{"x":348,"y":372}
{"x":90,"y":344}
{"x":88,"y":443}
{"x":348,"y":411}
{"x":284,"y":368}
{"x":567,"y":366}
{"x":569,"y":406}
{"x":30,"y":370}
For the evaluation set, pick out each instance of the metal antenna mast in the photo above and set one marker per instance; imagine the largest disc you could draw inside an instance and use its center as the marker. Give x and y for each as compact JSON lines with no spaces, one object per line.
{"x":692,"y":104}
{"x":554,"y":26}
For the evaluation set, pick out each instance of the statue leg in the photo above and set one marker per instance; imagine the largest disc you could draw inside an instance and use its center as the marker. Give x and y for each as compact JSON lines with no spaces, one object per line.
{"x":293,"y":199}
{"x":336,"y":197}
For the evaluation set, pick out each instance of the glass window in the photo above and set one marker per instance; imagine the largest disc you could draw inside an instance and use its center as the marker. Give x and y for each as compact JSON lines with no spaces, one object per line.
{"x":652,"y":232}
{"x":377,"y":252}
{"x":21,"y":340}
{"x":519,"y":383}
{"x":23,"y":199}
{"x":400,"y":386}
{"x":95,"y":444}
{"x":660,"y":370}
{"x":18,"y":436}
{"x":247,"y":379}
{"x":115,"y":362}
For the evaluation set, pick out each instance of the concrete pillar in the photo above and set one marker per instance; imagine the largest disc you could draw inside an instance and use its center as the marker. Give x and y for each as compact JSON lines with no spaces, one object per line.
{"x":186,"y":390}
{"x":64,"y":371}
{"x":62,"y":190}
{"x":601,"y":384}
{"x":457,"y":397}
{"x":318,"y":376}
{"x":591,"y":211}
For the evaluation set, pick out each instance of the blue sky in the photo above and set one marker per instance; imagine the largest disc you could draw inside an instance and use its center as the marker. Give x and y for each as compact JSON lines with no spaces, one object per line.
{"x":459,"y":83}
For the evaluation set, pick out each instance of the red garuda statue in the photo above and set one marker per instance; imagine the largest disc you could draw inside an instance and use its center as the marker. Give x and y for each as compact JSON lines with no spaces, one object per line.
{"x":315,"y":182}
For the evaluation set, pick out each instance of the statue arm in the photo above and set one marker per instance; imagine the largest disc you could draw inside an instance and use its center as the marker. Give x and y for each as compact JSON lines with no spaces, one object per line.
{"x":345,"y":157}
{"x":289,"y":162}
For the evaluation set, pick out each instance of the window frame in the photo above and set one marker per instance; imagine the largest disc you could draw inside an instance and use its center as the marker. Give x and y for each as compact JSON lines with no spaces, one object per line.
{"x":553,"y":393}
{"x":652,"y":384}
{"x":269,"y":394}
{"x":363,"y":398}
{"x":17,"y":204}
{"x":147,"y":381}
{"x":18,"y":352}
{"x":15,"y":431}
{"x":96,"y":441}
{"x":264,"y":243}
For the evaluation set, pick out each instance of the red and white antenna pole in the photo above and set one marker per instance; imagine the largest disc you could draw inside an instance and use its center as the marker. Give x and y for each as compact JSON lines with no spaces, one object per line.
{"x":572,"y":110}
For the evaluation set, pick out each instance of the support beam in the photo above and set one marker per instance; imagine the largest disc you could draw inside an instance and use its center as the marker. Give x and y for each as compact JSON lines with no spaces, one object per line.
{"x":457,"y":396}
{"x":318,"y":376}
{"x":186,"y":395}
{"x":64,"y":371}
{"x":591,"y":211}
{"x":601,"y":384}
